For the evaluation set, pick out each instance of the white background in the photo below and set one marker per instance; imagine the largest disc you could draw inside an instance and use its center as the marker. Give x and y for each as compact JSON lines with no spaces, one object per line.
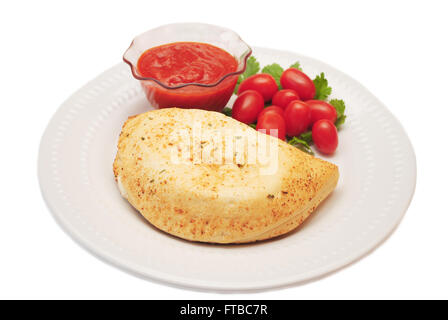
{"x":397,"y":49}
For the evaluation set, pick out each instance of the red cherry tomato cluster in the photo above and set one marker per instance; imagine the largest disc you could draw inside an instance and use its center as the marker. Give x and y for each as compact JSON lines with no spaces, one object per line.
{"x":292,"y":111}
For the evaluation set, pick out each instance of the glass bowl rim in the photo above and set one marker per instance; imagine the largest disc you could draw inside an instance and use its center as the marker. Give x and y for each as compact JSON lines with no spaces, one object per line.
{"x":235,"y":73}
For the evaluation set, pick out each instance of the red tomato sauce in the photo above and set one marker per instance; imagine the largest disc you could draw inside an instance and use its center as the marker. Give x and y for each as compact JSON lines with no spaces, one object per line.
{"x":186,"y":62}
{"x":181,"y":63}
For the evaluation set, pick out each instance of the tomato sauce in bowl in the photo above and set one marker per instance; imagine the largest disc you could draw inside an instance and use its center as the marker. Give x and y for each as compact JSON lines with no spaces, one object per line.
{"x":188,"y":65}
{"x":181,"y":63}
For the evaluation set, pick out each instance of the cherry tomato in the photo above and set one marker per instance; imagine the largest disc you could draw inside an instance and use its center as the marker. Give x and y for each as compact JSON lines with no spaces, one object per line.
{"x":297,"y":118}
{"x":247,"y":106}
{"x":272,"y":121}
{"x":325,"y":136}
{"x":263,"y":83}
{"x":298,"y":81}
{"x":275,"y":109}
{"x":283,"y":97}
{"x":321,"y":110}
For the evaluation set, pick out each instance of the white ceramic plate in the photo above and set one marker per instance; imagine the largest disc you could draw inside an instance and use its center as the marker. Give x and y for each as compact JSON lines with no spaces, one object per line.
{"x":375,"y":157}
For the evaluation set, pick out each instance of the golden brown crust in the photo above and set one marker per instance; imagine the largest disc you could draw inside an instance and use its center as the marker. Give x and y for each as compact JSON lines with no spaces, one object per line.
{"x":215,"y":203}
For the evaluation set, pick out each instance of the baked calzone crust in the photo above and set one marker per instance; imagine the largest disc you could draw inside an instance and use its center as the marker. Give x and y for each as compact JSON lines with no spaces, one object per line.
{"x":201,"y":176}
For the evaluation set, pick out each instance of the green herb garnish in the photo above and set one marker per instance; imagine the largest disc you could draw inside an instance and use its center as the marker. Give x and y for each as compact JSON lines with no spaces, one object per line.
{"x":301,"y":144}
{"x":339,"y":105}
{"x":322,"y":88}
{"x":296,"y":65}
{"x":252,"y":67}
{"x":275,"y":70}
{"x":227,"y":111}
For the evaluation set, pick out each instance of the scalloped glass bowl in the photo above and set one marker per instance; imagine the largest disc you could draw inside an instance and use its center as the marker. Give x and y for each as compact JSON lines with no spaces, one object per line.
{"x":212,"y":97}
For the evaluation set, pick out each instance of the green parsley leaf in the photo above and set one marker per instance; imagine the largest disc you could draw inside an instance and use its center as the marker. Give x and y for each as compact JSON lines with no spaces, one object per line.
{"x":296,"y":65}
{"x":301,"y":144}
{"x":340,"y":121}
{"x":307,"y":137}
{"x":227,"y":111}
{"x":274,"y":70}
{"x":339,"y":105}
{"x":322,"y":88}
{"x":252,"y":67}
